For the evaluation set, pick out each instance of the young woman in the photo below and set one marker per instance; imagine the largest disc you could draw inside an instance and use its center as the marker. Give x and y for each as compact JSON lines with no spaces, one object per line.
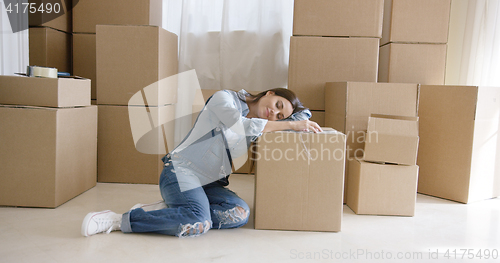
{"x":194,"y":179}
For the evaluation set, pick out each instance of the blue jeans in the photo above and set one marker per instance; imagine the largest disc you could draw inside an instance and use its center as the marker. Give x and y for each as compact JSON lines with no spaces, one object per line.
{"x":189,"y":213}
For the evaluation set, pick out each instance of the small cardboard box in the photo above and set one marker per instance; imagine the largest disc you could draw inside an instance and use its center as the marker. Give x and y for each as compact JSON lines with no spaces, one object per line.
{"x":392,"y":139}
{"x":122,"y":156}
{"x":412,"y":63}
{"x":416,"y":21}
{"x":48,"y":92}
{"x":89,"y":13}
{"x":50,"y":48}
{"x":316,"y":60}
{"x":382,"y":189}
{"x":84,"y":59}
{"x":130,"y":58}
{"x":459,"y":146}
{"x":300,"y":181}
{"x":48,"y":155}
{"x":358,"y":18}
{"x":59,"y":17}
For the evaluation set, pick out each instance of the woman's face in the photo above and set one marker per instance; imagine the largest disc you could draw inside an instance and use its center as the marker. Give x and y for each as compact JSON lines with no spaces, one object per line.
{"x":273,"y":107}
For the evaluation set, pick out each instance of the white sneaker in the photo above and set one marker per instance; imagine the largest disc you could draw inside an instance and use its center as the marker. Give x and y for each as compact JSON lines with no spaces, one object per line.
{"x":99,"y":222}
{"x":151,"y":207}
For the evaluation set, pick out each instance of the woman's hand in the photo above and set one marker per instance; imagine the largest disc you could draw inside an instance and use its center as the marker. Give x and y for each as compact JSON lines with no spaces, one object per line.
{"x":306,"y":125}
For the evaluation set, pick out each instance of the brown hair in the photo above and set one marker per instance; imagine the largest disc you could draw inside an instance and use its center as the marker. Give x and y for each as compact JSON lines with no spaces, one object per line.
{"x":285,"y":93}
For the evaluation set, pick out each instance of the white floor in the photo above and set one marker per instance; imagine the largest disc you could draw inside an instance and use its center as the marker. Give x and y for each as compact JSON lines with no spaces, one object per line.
{"x":439,"y":226}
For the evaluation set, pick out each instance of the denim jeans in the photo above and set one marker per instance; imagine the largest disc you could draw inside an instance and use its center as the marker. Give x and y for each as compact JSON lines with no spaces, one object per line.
{"x":189,"y":213}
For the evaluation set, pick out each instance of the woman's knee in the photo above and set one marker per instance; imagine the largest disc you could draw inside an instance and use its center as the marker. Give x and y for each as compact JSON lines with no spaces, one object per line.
{"x":195,"y":229}
{"x":232,"y":218}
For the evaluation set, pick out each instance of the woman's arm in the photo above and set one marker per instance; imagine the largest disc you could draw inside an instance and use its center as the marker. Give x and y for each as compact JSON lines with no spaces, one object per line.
{"x":304,"y":125}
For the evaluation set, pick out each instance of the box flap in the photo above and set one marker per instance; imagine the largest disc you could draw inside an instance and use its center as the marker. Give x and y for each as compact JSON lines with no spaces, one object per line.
{"x":393,"y":125}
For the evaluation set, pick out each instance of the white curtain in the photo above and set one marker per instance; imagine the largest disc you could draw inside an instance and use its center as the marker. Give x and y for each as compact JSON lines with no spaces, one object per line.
{"x":232,"y":44}
{"x":474,"y":43}
{"x":14,"y":47}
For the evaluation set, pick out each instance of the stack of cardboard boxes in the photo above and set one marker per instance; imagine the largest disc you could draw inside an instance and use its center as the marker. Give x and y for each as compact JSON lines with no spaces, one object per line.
{"x":332,"y":41}
{"x":50,"y":38}
{"x":384,"y":182}
{"x":49,"y":140}
{"x":136,"y":109}
{"x":413,"y":45}
{"x":89,"y":13}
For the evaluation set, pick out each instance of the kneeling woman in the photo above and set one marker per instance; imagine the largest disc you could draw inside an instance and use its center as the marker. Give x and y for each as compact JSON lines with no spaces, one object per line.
{"x":194,"y":179}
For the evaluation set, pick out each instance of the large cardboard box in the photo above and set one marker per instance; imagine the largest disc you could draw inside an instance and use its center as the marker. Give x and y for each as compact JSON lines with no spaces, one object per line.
{"x":350,"y":104}
{"x":392,"y":139}
{"x":89,"y":13}
{"x":130,"y":58}
{"x":125,"y":158}
{"x":416,"y":21}
{"x":359,"y":18}
{"x":59,"y":17}
{"x":48,"y":155}
{"x":300,"y":181}
{"x":316,"y":60}
{"x":49,"y":92}
{"x":459,"y":142}
{"x":412,"y":63}
{"x":50,"y":48}
{"x":382,"y":189}
{"x":84,"y":59}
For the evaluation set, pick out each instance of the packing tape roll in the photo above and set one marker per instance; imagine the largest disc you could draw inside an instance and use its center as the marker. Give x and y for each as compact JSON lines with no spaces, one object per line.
{"x":43,"y":72}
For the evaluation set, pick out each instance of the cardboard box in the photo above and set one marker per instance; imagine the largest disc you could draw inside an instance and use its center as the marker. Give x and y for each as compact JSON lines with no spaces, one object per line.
{"x":84,"y":59}
{"x":318,"y":117}
{"x":416,"y":21}
{"x":316,"y":60}
{"x":48,"y":155}
{"x":382,"y":189}
{"x":392,"y":139}
{"x":297,"y":191}
{"x":412,"y":63}
{"x":350,"y":104}
{"x":130,"y":58}
{"x":50,"y":48}
{"x":119,"y":160}
{"x":359,"y":18}
{"x":459,"y":144}
{"x":59,"y":17}
{"x":49,"y":92}
{"x":89,"y":13}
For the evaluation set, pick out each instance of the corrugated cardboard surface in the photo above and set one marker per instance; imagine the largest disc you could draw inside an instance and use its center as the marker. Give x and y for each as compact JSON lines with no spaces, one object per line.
{"x":118,"y":159}
{"x":360,"y":18}
{"x":413,"y":63}
{"x":392,"y":139}
{"x":61,"y":21}
{"x":48,"y":155}
{"x":84,"y":59}
{"x":382,"y":189}
{"x":316,"y":60}
{"x":50,"y":48}
{"x":293,"y":192}
{"x":416,"y":21}
{"x":89,"y":13}
{"x":459,"y":142}
{"x":130,"y":58}
{"x":318,"y":117}
{"x":350,"y":104}
{"x":49,"y":92}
